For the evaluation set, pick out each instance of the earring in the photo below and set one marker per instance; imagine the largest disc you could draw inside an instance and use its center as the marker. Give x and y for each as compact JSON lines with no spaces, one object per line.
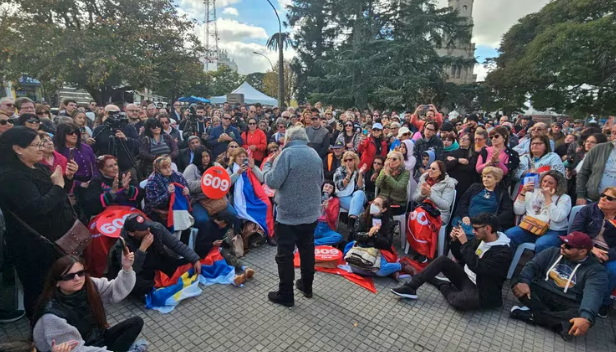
{"x":18,"y":153}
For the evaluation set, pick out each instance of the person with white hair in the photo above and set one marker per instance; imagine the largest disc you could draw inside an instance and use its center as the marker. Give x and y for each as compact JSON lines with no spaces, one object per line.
{"x":7,"y":106}
{"x":296,"y":173}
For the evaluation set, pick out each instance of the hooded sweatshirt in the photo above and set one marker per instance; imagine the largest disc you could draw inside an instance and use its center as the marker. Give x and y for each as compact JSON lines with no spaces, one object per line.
{"x":584,"y":282}
{"x":410,"y":161}
{"x":488,"y":263}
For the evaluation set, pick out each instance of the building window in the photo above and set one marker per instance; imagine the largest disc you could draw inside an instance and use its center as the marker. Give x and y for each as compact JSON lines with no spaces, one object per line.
{"x":459,"y":72}
{"x":453,"y":71}
{"x":464,"y":8}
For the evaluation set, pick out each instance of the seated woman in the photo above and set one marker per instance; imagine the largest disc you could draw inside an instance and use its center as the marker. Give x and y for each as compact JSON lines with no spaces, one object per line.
{"x":202,"y":160}
{"x":223,"y":158}
{"x":540,"y":157}
{"x":548,"y":203}
{"x":325,"y":232}
{"x":393,"y":182}
{"x":159,"y":189}
{"x":108,"y":188}
{"x":349,"y":183}
{"x":486,"y":197}
{"x":371,"y":176}
{"x":437,"y":187}
{"x":375,"y":229}
{"x":71,"y":308}
{"x":272,"y":149}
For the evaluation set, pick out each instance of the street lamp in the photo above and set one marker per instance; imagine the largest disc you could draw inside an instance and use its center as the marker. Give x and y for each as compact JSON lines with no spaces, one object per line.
{"x":270,"y":61}
{"x":280,"y":60}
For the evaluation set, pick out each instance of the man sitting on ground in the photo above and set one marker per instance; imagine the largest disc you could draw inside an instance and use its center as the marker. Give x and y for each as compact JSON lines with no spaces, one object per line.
{"x":562,"y":288}
{"x":477,"y":285}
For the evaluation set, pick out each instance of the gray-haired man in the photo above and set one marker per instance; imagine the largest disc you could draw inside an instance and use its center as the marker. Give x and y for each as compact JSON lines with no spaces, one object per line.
{"x":297,"y":175}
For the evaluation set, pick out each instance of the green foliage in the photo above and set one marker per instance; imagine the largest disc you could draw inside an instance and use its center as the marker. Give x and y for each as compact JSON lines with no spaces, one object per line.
{"x":563,"y":57}
{"x":273,"y":41}
{"x":223,"y":81}
{"x":375,"y":53}
{"x":256,"y":80}
{"x":101,"y":45}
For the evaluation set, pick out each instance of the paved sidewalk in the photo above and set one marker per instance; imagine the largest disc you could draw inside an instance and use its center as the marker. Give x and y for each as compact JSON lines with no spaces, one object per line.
{"x":340,"y":317}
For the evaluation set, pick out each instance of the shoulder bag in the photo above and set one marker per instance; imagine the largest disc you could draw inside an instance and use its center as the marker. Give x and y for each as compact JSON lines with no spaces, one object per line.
{"x":534,"y":225}
{"x":73,"y":242}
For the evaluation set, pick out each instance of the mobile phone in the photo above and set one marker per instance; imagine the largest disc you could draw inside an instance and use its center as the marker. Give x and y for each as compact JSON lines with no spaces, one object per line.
{"x":364,"y":132}
{"x":70,"y":154}
{"x":426,"y":107}
{"x":245,"y":162}
{"x":125,"y":248}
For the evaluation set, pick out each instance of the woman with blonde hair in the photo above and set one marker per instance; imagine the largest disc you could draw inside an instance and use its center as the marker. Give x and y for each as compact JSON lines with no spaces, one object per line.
{"x":159,"y":189}
{"x":393,"y":182}
{"x":349,"y":183}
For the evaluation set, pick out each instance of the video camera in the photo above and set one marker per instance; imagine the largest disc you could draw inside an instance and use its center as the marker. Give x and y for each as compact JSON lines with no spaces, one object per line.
{"x":116,"y":120}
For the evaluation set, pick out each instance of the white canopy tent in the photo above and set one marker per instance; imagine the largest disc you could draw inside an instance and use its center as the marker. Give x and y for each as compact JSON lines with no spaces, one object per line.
{"x":251,"y":96}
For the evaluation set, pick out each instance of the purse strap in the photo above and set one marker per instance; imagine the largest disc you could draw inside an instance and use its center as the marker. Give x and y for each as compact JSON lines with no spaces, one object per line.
{"x":30,"y":229}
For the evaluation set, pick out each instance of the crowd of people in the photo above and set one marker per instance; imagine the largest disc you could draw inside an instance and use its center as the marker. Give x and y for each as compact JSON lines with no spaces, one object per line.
{"x":495,"y":183}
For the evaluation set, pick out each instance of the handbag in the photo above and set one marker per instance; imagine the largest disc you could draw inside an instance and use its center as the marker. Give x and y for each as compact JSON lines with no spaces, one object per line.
{"x":534,"y":225}
{"x":237,"y":243}
{"x":73,"y":242}
{"x":213,"y":206}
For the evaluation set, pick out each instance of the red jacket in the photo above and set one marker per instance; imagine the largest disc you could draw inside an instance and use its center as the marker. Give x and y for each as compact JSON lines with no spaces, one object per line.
{"x":258,"y":139}
{"x":438,"y":117}
{"x":331,"y":213}
{"x":367,"y":149}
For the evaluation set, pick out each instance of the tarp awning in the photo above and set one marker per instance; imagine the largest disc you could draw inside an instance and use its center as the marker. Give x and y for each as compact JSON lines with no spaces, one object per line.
{"x":251,"y":96}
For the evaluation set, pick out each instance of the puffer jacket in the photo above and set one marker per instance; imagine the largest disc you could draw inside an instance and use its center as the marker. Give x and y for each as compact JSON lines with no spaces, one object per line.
{"x":442,"y":195}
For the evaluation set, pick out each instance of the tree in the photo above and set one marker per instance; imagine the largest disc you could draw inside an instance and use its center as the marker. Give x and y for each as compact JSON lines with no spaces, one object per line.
{"x":563,"y":57}
{"x":224,"y":80}
{"x":256,"y":80}
{"x":101,"y":46}
{"x":273,"y":41}
{"x":270,"y":82}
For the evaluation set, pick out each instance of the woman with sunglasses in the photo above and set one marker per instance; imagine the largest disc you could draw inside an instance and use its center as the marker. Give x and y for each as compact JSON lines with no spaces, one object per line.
{"x":499,"y":155}
{"x":71,"y":309}
{"x":254,"y":139}
{"x":393,"y":183}
{"x":223,"y":158}
{"x":32,"y":194}
{"x":547,"y":202}
{"x":349,"y":183}
{"x":349,"y":137}
{"x":155,"y":143}
{"x":272,"y":152}
{"x":6,"y":122}
{"x":43,"y":113}
{"x":460,"y":164}
{"x":69,"y":143}
{"x":29,"y":120}
{"x":436,"y":186}
{"x":371,"y":145}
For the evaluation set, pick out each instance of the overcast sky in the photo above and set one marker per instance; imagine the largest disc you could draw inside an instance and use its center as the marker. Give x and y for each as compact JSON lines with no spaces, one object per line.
{"x":245,"y":25}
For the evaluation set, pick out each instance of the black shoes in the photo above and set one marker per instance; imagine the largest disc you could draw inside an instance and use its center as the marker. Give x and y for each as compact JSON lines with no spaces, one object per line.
{"x":276,"y":297}
{"x":604,"y":310}
{"x":300,"y":286}
{"x":521,"y":313}
{"x":404,"y":292}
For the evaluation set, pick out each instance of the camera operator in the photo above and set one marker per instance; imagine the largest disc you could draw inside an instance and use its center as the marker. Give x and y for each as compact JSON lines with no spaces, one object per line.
{"x":117,"y":137}
{"x":195,"y":125}
{"x":132,"y":112}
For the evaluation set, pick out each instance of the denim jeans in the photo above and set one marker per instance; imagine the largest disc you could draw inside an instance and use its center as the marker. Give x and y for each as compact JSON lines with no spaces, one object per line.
{"x":201,"y":216}
{"x":323,"y":235}
{"x":610,"y":267}
{"x":354,"y":203}
{"x":517,"y":235}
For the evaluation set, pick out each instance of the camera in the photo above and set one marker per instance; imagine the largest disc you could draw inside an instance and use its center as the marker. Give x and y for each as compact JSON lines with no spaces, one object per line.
{"x":116,"y":120}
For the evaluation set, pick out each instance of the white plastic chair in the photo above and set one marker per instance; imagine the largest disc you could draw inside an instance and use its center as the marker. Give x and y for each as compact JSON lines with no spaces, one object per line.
{"x":518,"y":255}
{"x":572,"y":215}
{"x":193,"y":238}
{"x":401,"y":219}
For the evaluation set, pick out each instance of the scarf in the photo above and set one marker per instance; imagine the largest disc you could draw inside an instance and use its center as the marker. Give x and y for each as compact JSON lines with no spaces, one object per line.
{"x":452,"y":147}
{"x":378,"y":141}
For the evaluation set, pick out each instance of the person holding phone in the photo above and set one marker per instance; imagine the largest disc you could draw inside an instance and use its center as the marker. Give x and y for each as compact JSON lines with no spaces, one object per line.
{"x":70,"y":309}
{"x":241,"y":162}
{"x":69,"y":143}
{"x":431,"y":114}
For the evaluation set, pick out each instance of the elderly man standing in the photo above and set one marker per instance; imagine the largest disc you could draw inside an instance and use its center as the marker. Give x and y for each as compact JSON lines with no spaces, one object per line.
{"x":7,"y":106}
{"x":297,"y":175}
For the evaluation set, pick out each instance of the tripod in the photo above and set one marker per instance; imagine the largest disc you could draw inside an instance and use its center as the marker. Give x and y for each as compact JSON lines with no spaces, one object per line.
{"x":112,"y":145}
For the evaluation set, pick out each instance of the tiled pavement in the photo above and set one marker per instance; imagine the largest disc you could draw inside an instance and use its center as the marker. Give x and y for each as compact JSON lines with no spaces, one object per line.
{"x":340,"y":317}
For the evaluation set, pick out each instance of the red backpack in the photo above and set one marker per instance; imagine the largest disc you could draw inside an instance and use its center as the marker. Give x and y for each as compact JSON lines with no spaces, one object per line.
{"x":422,"y":229}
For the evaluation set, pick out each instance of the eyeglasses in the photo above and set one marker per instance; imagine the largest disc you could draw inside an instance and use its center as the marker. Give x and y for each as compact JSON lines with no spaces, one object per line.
{"x":610,"y":198}
{"x":465,"y":139}
{"x":477,"y":228}
{"x":33,"y":121}
{"x":537,"y":143}
{"x":71,"y":276}
{"x":479,"y":139}
{"x":37,"y":145}
{"x":347,"y":160}
{"x":377,"y":164}
{"x":314,"y":118}
{"x":495,"y":136}
{"x":226,"y":118}
{"x":165,"y":123}
{"x":40,"y":113}
{"x":252,"y":124}
{"x":4,"y":122}
{"x":430,"y":129}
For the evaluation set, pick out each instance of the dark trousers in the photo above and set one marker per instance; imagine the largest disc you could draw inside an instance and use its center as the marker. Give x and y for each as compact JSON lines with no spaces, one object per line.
{"x":145,"y":278}
{"x":461,"y":294}
{"x":550,"y":310}
{"x":120,"y":337}
{"x":289,"y":236}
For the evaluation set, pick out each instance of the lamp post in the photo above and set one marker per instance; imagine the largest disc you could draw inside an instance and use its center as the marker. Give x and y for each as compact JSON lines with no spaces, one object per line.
{"x":280,"y":60}
{"x":270,"y":61}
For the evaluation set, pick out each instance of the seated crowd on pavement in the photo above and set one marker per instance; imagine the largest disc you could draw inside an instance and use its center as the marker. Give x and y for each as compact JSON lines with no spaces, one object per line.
{"x":497,"y":186}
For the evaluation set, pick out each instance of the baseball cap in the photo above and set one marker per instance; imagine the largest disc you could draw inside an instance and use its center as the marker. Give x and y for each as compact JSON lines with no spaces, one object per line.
{"x":403,"y":130}
{"x":377,"y":126}
{"x":136,"y":222}
{"x":577,"y":239}
{"x":338,"y":145}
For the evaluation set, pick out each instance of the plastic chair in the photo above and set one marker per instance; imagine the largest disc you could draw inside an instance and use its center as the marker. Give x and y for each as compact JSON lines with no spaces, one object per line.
{"x":19,"y":293}
{"x":518,"y":255}
{"x":193,"y":238}
{"x":572,"y":215}
{"x":401,"y":219}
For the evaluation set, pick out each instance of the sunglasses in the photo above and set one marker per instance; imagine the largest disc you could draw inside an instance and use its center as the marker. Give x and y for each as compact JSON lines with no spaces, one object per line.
{"x":42,"y":113}
{"x":33,"y":121}
{"x":477,"y":228}
{"x":347,"y":160}
{"x":348,"y":125}
{"x":4,"y":122}
{"x":567,"y":246}
{"x":377,"y":164}
{"x":226,"y":118}
{"x":71,"y":276}
{"x":494,"y":136}
{"x":434,"y":169}
{"x":71,"y":133}
{"x":610,"y":198}
{"x":252,"y":124}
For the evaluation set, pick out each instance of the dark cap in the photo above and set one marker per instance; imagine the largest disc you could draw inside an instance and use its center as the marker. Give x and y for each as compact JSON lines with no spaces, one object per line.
{"x":338,"y":145}
{"x":578,"y":121}
{"x":136,"y":222}
{"x":577,"y":239}
{"x":527,"y":118}
{"x":473,"y":117}
{"x":446,"y":127}
{"x":226,"y":216}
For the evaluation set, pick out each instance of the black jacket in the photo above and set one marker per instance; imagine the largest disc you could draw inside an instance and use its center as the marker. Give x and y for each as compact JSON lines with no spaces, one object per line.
{"x":504,"y":208}
{"x":183,"y":159}
{"x":383,"y":239}
{"x":490,"y":270}
{"x":466,"y":175}
{"x":113,"y":146}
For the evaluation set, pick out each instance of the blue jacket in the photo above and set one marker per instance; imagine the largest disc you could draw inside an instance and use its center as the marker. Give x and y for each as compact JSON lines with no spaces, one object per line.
{"x":219,"y":148}
{"x":589,"y":220}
